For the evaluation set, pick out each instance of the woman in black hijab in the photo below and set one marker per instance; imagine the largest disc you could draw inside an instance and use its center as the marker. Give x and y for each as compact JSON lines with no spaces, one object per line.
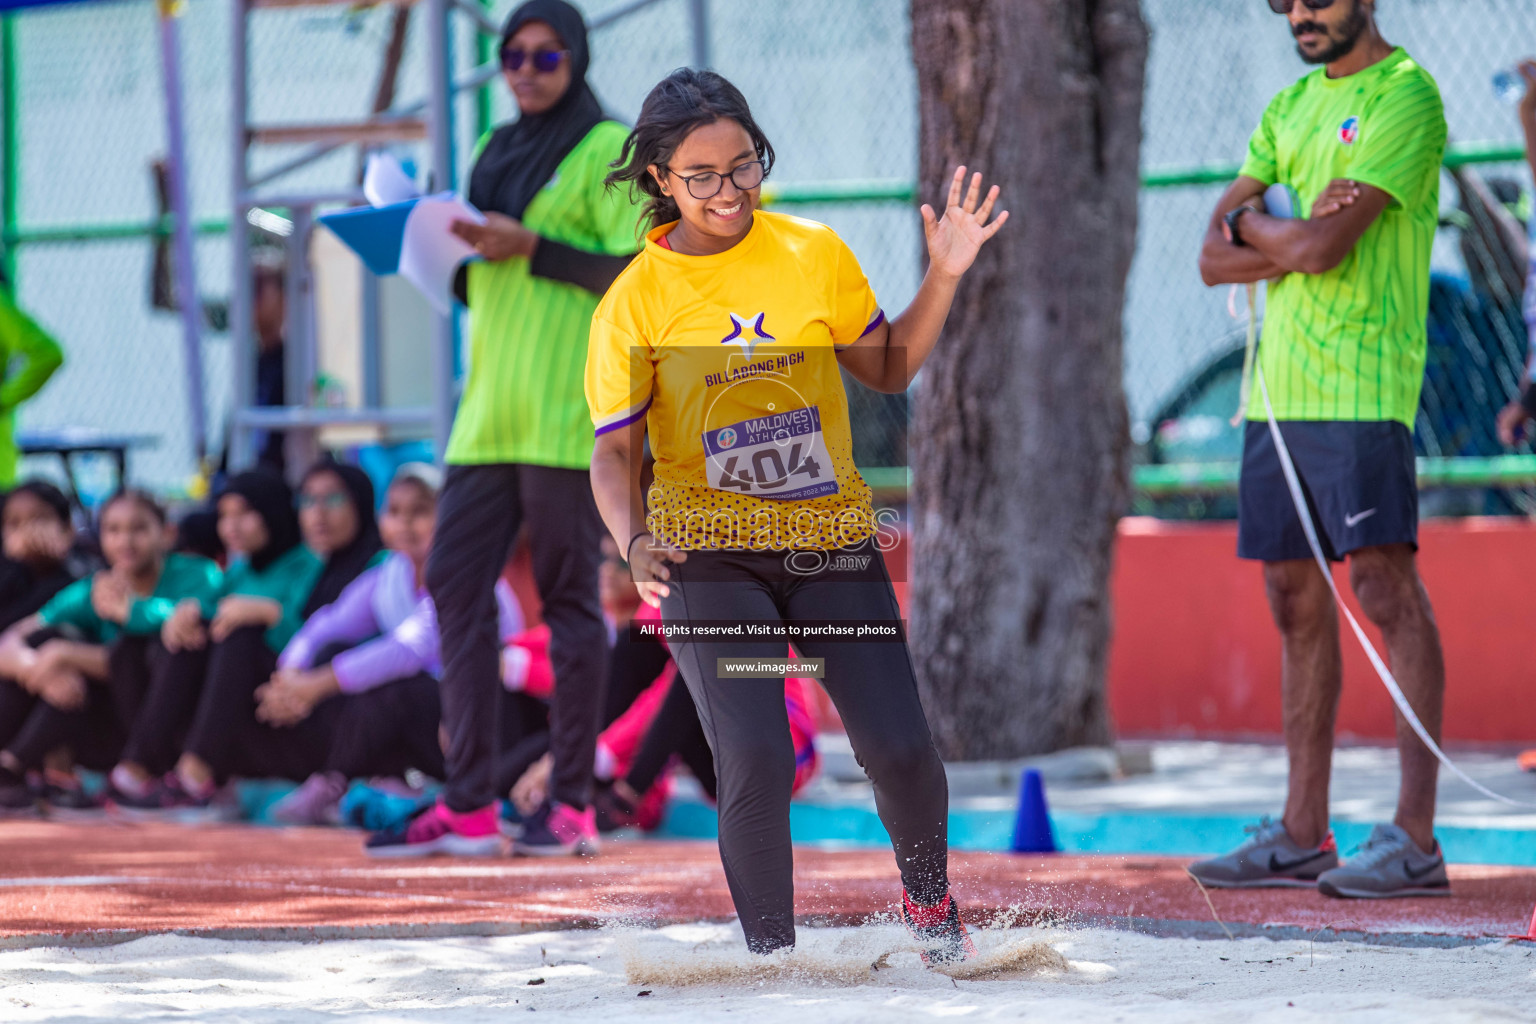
{"x":554,"y":239}
{"x":267,"y":495}
{"x":338,"y":521}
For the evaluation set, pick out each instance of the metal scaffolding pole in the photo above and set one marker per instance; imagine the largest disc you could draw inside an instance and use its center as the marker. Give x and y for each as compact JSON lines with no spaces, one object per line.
{"x":242,"y":347}
{"x":440,"y":130}
{"x":187,"y":294}
{"x":698,"y":21}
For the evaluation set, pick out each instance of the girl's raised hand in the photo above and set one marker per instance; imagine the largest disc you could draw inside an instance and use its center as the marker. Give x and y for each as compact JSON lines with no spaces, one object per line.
{"x":956,"y":238}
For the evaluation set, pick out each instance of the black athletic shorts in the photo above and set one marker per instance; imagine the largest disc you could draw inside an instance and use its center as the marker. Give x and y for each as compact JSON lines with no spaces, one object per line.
{"x":1359,"y":480}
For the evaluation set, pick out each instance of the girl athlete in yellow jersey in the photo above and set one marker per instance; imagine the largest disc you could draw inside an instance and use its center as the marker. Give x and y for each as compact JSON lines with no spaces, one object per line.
{"x":724,"y":339}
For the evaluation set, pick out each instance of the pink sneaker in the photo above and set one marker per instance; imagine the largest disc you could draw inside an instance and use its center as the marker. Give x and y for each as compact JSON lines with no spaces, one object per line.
{"x":437,"y":829}
{"x":559,"y":830}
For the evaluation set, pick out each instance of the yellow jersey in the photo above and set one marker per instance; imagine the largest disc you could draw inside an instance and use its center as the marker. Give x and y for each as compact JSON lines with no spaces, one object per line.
{"x":732,"y":360}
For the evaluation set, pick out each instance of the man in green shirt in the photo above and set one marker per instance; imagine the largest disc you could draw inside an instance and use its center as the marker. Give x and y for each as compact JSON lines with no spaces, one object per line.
{"x":1359,"y":142}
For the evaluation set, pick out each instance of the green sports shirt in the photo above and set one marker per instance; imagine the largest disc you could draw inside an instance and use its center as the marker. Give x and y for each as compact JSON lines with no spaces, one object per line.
{"x":1350,"y":344}
{"x":28,"y":357}
{"x":523,"y":395}
{"x":288,"y":580}
{"x":181,"y":577}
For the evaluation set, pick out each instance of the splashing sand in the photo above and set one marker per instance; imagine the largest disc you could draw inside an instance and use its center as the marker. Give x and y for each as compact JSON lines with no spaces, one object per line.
{"x":858,"y":959}
{"x":1020,"y":958}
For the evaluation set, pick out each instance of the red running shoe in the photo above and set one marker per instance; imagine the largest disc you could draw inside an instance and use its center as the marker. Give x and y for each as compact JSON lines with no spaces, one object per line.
{"x":939,"y":929}
{"x":1527,"y":761}
{"x":436,"y":829}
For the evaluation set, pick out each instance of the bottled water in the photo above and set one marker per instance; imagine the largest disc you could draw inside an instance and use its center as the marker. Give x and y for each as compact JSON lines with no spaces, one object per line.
{"x":1509,"y":86}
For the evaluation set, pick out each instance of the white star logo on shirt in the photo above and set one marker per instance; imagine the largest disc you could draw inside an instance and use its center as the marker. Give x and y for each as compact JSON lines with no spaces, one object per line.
{"x":747,"y":332}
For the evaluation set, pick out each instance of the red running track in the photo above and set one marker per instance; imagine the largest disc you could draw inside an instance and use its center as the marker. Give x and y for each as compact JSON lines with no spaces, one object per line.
{"x":103,"y":882}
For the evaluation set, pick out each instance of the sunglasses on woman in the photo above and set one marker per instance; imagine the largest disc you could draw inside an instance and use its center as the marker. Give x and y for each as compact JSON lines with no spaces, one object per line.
{"x":544,"y":61}
{"x":1286,"y":6}
{"x":745,"y":176}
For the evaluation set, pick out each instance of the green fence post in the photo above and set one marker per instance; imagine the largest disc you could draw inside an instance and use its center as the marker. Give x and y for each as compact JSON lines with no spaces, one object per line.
{"x":484,"y":51}
{"x":9,"y":135}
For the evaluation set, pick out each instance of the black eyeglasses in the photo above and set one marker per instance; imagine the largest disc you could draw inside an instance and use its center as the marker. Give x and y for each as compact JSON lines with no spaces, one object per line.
{"x":1286,"y":6}
{"x":745,"y":176}
{"x":544,"y":61}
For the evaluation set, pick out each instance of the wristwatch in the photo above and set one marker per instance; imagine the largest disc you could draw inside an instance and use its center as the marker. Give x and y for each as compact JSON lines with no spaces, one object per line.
{"x":1232,"y":217}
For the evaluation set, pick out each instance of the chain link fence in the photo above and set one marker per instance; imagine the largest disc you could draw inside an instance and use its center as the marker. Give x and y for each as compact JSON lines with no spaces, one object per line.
{"x":832,"y":83}
{"x":1213,"y":68}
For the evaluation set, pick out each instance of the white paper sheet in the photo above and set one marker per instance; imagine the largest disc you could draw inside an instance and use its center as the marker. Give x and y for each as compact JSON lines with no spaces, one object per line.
{"x":385,"y":181}
{"x":430,"y":253}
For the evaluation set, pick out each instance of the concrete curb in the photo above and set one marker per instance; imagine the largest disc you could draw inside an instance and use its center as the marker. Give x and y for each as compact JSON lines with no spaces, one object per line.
{"x":1158,"y":927}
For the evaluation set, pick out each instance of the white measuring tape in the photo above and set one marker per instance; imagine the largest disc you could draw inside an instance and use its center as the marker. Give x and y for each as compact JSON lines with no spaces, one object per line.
{"x":1310,"y":529}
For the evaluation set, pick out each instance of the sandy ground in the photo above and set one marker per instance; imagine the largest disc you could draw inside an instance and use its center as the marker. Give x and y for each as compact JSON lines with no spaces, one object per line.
{"x":701,"y":972}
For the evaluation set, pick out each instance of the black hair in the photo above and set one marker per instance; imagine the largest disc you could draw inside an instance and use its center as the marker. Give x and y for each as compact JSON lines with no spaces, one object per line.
{"x":46,"y":493}
{"x":198,"y":534}
{"x":138,"y":497}
{"x":686,"y":99}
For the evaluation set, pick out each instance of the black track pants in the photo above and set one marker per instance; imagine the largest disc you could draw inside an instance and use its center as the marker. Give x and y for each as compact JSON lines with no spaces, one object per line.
{"x":674,"y":730}
{"x":478,"y":517}
{"x":225,"y":732}
{"x":875,"y":690}
{"x":523,"y":726}
{"x":385,"y":730}
{"x":31,"y":728}
{"x":156,"y":693}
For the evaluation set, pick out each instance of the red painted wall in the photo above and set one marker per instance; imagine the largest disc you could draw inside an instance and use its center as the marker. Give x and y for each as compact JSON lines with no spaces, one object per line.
{"x":1195,"y":653}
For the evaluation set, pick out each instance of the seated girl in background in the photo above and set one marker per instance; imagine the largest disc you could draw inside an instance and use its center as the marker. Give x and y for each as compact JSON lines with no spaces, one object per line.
{"x":34,"y":566}
{"x":278,"y":576}
{"x":385,"y":687}
{"x":36,"y":561}
{"x":155,"y":692}
{"x":62,"y":654}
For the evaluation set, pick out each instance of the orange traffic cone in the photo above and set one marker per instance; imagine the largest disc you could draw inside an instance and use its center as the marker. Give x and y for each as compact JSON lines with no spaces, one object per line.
{"x":1530,"y":935}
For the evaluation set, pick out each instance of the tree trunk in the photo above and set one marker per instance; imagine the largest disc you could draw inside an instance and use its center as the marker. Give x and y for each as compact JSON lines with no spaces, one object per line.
{"x":1019,"y":440}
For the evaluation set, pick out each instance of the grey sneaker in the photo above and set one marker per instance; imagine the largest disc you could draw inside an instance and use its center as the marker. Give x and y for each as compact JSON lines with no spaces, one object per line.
{"x":1269,"y":859}
{"x":316,"y":802}
{"x":1388,"y":864}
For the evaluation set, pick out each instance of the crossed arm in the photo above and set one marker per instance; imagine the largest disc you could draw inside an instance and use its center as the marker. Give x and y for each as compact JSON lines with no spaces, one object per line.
{"x":57,"y":671}
{"x":1275,"y":246}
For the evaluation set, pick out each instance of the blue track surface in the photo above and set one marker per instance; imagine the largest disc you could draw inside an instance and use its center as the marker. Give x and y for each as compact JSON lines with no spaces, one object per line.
{"x":847,"y":824}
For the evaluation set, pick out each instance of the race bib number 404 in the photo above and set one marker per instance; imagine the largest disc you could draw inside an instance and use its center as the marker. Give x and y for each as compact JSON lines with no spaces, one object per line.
{"x":781,"y":456}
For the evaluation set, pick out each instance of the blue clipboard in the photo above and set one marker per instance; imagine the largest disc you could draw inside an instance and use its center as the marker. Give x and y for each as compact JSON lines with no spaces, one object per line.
{"x":375,"y":233}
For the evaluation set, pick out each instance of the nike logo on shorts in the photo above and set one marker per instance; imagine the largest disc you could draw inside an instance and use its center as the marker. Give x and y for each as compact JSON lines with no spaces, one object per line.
{"x":1358,"y":517}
